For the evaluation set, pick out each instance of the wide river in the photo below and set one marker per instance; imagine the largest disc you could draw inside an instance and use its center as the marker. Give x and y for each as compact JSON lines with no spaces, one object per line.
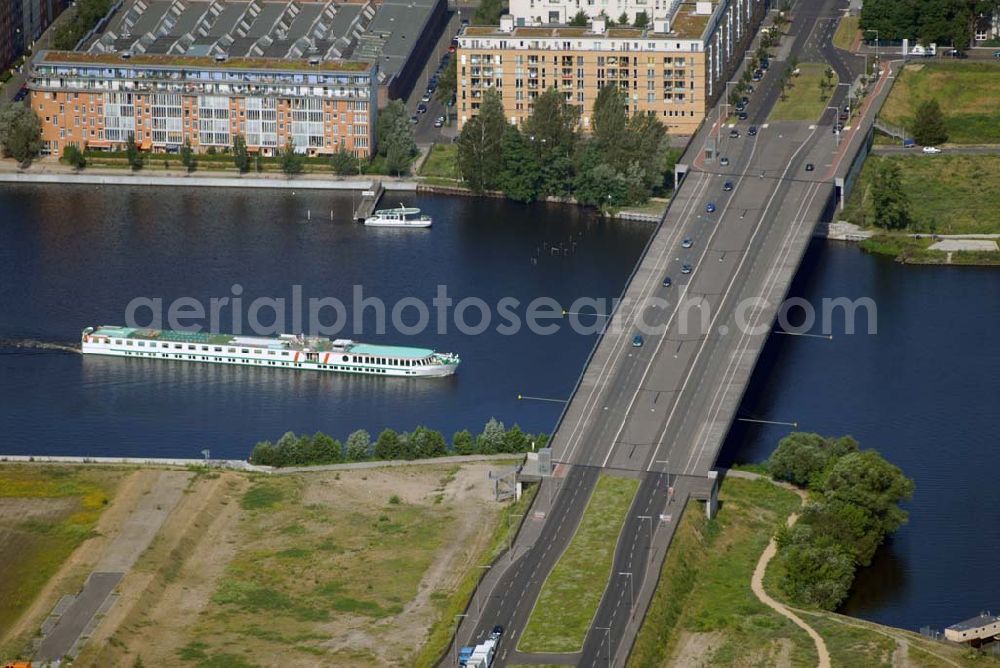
{"x":924,"y":390}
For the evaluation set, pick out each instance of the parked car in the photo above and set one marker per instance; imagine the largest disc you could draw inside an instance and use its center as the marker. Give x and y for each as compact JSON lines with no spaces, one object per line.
{"x":931,"y":149}
{"x":810,"y":167}
{"x":909,"y":143}
{"x":838,"y":128}
{"x":996,"y":54}
{"x":757,"y":75}
{"x":426,"y":97}
{"x":742,"y":116}
{"x":421,"y":108}
{"x":414,"y":119}
{"x":21,"y":94}
{"x":439,"y":122}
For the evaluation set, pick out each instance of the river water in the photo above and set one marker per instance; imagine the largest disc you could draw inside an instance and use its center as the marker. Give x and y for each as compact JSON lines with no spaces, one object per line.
{"x":924,"y":390}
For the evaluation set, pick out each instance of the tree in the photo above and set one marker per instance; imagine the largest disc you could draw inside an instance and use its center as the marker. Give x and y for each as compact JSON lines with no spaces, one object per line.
{"x":447,"y":83}
{"x":344,"y":163}
{"x":132,"y":152}
{"x":20,"y":132}
{"x":551,"y":127}
{"x":623,"y":19}
{"x":462,"y":443}
{"x":488,"y":13}
{"x":818,"y":570}
{"x":515,"y":440}
{"x":479,"y":145}
{"x":73,"y":157}
{"x":889,"y":204}
{"x":241,"y":158}
{"x":291,"y":162}
{"x":867,"y":480}
{"x":187,"y":156}
{"x":580,"y":19}
{"x":801,"y":458}
{"x":358,"y":446}
{"x":428,"y":443}
{"x":328,"y":450}
{"x":928,"y":124}
{"x":388,"y":117}
{"x":387,"y":445}
{"x":520,"y":175}
{"x":490,"y":441}
{"x":641,"y":19}
{"x":398,"y":144}
{"x":609,"y":121}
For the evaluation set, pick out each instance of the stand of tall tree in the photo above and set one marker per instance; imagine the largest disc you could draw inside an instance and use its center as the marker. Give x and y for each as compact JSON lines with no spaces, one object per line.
{"x":395,"y":138}
{"x":421,"y":443}
{"x":625,"y":160}
{"x":942,"y":22}
{"x":853,"y":506}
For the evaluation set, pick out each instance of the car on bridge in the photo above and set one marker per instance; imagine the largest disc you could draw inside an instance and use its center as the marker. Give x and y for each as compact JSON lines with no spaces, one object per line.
{"x":687,"y":243}
{"x":667,"y":282}
{"x":727,"y":186}
{"x":710,"y":207}
{"x":637,"y":341}
{"x":685,"y":269}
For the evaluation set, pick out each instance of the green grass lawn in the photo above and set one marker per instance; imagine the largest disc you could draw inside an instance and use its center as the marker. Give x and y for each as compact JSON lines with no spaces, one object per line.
{"x":969,"y":95}
{"x":45,"y":513}
{"x":573,"y":590}
{"x":803,"y":101}
{"x":948,"y":194}
{"x":847,"y":32}
{"x":442,"y":162}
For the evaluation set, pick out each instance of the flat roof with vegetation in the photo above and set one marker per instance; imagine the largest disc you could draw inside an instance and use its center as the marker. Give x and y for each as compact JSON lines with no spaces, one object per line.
{"x":201,"y":62}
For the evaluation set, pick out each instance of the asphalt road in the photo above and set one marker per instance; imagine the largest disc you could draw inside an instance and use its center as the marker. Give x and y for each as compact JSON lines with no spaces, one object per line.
{"x":74,"y":620}
{"x":663,"y":409}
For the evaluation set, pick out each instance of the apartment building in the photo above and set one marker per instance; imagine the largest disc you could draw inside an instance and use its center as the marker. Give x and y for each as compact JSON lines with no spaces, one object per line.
{"x":676,"y":68}
{"x":98,"y":99}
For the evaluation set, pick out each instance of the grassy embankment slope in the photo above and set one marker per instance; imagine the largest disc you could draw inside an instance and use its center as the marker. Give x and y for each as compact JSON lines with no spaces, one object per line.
{"x":803,"y":99}
{"x":847,"y":32}
{"x":581,"y":574}
{"x":968,"y":92}
{"x":46,"y":512}
{"x":704,"y":613}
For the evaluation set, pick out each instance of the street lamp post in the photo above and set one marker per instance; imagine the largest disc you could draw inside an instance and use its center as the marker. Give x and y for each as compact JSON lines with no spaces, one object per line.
{"x":509,"y":539}
{"x":457,"y":625}
{"x":631,"y":590}
{"x":479,"y":601}
{"x":607,"y":636}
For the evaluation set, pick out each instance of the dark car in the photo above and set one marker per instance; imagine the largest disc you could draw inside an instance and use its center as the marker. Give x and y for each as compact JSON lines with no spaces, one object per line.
{"x":764,"y":63}
{"x":497,"y":631}
{"x":727,"y":186}
{"x":743,"y":116}
{"x":414,"y":119}
{"x":21,"y":94}
{"x":685,"y":269}
{"x":996,"y":54}
{"x":745,"y":100}
{"x":421,"y":108}
{"x":752,"y":131}
{"x":724,"y":161}
{"x":757,"y":75}
{"x":734,"y":134}
{"x":667,"y":282}
{"x":838,"y":128}
{"x":710,"y":207}
{"x":810,"y":167}
{"x":637,"y":341}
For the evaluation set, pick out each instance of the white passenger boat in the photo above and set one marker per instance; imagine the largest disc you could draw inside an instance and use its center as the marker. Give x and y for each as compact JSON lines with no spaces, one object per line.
{"x":286,"y":351}
{"x":404,"y":216}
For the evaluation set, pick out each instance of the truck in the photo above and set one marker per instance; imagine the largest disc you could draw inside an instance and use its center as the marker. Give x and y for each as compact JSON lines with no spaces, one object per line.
{"x":464,"y":654}
{"x":482,"y":654}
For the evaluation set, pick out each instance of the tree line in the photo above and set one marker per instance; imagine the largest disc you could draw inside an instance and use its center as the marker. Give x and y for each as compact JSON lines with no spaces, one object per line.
{"x":626,"y":159}
{"x":421,"y":443}
{"x":853,"y":506}
{"x":943,"y":22}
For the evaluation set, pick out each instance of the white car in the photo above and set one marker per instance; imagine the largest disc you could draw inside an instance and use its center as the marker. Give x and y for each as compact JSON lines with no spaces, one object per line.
{"x":931,"y":149}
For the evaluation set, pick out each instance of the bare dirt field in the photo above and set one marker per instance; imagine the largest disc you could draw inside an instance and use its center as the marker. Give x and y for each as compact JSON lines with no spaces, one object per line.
{"x":348,"y":568}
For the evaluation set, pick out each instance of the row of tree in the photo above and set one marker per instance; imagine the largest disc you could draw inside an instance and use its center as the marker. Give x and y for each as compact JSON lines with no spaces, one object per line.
{"x":421,"y":443}
{"x":625,"y":160}
{"x":950,"y":22}
{"x":854,"y":505}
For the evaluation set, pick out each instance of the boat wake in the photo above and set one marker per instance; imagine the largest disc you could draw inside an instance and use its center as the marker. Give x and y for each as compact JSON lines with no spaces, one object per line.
{"x":34,"y":344}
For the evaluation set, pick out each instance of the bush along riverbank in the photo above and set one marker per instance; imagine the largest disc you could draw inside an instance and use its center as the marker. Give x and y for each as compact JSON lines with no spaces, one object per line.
{"x":853,"y":506}
{"x":421,"y":443}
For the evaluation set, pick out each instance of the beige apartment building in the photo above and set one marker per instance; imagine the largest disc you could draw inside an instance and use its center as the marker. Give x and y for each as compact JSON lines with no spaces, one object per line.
{"x":676,"y":68}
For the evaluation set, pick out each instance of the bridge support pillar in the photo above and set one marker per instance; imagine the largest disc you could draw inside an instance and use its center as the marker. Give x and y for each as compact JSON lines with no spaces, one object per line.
{"x":712,"y":502}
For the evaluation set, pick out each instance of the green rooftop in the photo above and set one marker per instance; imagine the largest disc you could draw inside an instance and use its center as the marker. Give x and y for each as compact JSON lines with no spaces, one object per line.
{"x":202,"y":62}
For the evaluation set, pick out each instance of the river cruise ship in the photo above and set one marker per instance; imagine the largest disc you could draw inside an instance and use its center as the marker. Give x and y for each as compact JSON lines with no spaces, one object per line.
{"x":402,"y":217}
{"x":286,"y":351}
